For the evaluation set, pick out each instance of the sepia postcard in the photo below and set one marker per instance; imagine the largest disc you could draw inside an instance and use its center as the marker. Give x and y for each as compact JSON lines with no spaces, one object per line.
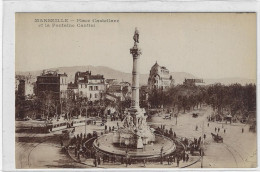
{"x":135,"y":90}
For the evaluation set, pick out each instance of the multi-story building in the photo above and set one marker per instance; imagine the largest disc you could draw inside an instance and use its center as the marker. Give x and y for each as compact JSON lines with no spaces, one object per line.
{"x":25,"y":85}
{"x":110,"y":82}
{"x":90,"y":86}
{"x":25,"y":88}
{"x":120,"y":90}
{"x":159,"y":77}
{"x":73,"y":92}
{"x":52,"y":83}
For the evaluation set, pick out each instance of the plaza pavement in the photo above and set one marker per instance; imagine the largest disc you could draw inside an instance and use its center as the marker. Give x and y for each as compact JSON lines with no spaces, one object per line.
{"x":237,"y":150}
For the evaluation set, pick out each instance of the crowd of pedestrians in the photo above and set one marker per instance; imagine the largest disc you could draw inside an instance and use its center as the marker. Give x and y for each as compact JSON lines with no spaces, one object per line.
{"x":82,"y":147}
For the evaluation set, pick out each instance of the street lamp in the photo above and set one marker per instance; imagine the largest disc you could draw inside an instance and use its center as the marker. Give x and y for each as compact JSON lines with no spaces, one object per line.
{"x":86,"y":121}
{"x":203,"y":140}
{"x":162,"y":155}
{"x":176,"y":116}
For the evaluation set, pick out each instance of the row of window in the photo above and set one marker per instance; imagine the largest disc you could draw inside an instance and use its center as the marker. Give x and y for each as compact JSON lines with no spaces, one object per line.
{"x":63,"y":81}
{"x":95,"y":95}
{"x":48,"y":80}
{"x":91,"y":88}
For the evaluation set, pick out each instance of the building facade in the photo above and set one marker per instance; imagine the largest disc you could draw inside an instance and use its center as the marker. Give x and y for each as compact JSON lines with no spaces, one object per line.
{"x":159,"y":77}
{"x":53,"y":83}
{"x":25,"y":88}
{"x":120,"y":90}
{"x":72,"y":92}
{"x":91,"y":86}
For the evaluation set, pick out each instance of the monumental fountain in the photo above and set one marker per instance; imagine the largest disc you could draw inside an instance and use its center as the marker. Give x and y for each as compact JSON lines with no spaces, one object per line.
{"x":134,"y":138}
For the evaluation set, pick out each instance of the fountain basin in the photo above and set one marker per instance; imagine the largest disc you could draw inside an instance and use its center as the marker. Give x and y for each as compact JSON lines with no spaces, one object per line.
{"x":104,"y":145}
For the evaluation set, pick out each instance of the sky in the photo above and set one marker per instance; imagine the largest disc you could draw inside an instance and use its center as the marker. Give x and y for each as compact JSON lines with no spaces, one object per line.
{"x":207,"y":45}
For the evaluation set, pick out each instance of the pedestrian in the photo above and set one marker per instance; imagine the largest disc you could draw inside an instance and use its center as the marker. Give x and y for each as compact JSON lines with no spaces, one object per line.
{"x":242,"y":130}
{"x":61,"y":142}
{"x":171,"y":159}
{"x":208,"y":124}
{"x":218,"y":129}
{"x":204,"y":136}
{"x":122,"y":160}
{"x":95,"y":162}
{"x":99,"y":160}
{"x":224,"y":130}
{"x":191,"y":150}
{"x":215,"y":129}
{"x":187,"y":157}
{"x":130,"y":161}
{"x":78,"y":155}
{"x":183,"y":157}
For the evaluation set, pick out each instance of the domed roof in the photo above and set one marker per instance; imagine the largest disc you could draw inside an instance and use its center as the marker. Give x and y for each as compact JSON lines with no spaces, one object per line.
{"x":155,"y":65}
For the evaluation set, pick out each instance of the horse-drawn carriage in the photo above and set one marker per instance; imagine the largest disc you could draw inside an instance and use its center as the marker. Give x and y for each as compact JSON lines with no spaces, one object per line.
{"x":252,"y":128}
{"x":194,"y":115}
{"x":217,"y":138}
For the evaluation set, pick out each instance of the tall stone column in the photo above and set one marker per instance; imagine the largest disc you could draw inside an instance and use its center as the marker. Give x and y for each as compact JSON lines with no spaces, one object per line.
{"x":135,"y":82}
{"x":136,"y":52}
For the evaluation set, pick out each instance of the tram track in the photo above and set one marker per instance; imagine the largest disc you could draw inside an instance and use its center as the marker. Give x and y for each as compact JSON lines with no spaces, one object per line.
{"x":29,"y":165}
{"x":232,"y":150}
{"x":25,"y":147}
{"x":231,"y":154}
{"x":28,"y":147}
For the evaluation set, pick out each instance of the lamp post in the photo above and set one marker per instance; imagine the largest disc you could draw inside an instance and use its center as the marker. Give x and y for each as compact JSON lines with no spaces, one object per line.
{"x":176,"y":116}
{"x":86,"y":120}
{"x":203,"y":139}
{"x":96,"y":159}
{"x":162,"y":155}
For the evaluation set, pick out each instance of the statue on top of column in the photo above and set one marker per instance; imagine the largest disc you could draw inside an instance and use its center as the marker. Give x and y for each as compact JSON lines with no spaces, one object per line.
{"x":136,"y":51}
{"x":136,"y":35}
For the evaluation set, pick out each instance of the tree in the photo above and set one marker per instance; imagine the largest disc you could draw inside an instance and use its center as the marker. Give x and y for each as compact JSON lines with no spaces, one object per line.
{"x":125,"y":91}
{"x":47,"y":103}
{"x":184,"y":103}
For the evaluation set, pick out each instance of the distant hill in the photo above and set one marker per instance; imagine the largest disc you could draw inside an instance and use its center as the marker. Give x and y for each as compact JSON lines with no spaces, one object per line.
{"x":179,"y":77}
{"x":122,"y":76}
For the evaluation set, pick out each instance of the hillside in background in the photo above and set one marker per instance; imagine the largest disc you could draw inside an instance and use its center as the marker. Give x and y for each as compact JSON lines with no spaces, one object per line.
{"x":122,"y":76}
